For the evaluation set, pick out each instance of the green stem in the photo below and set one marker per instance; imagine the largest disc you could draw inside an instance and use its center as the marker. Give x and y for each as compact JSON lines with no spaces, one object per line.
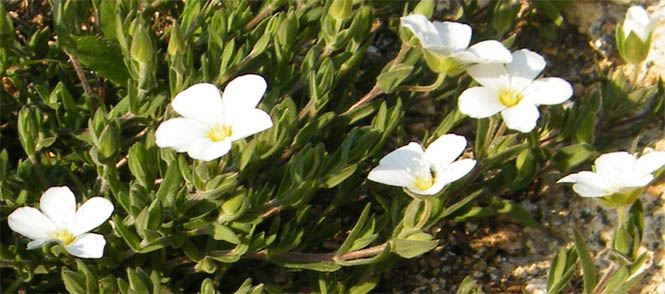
{"x":375,"y":90}
{"x":622,"y":215}
{"x":428,"y":88}
{"x":424,"y":217}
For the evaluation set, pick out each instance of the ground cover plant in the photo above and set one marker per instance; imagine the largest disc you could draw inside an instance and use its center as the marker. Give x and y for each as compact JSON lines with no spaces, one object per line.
{"x":286,"y":145}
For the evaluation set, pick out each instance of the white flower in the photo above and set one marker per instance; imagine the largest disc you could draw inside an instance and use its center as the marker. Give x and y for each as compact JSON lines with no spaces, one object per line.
{"x":60,"y":221}
{"x":512,"y":90}
{"x":449,"y":41}
{"x":637,"y":20}
{"x":616,"y":172}
{"x":210,"y":123}
{"x":424,"y":172}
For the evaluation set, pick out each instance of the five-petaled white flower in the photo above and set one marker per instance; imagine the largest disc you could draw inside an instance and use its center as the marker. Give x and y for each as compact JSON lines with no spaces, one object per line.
{"x":210,"y":123}
{"x":616,"y":172}
{"x":446,"y":44}
{"x":424,"y":172}
{"x":512,"y":90}
{"x":60,"y":221}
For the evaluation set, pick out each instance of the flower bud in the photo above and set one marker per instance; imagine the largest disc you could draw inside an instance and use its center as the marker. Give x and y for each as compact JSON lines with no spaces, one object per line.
{"x":141,"y":48}
{"x":109,"y":141}
{"x":634,"y":36}
{"x":29,"y":123}
{"x":340,"y":9}
{"x":176,"y":43}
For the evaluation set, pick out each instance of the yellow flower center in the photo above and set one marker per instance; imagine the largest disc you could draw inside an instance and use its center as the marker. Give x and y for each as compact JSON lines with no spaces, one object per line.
{"x":219,"y":133}
{"x":509,"y":98}
{"x":65,"y":236}
{"x":425,"y":181}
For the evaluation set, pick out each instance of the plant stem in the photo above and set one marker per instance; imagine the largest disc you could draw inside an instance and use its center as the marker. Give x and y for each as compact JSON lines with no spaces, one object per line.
{"x":424,"y":217}
{"x":318,"y":257}
{"x":428,"y":88}
{"x":601,"y":284}
{"x":38,"y":171}
{"x":375,"y":90}
{"x":263,"y":14}
{"x":84,"y":81}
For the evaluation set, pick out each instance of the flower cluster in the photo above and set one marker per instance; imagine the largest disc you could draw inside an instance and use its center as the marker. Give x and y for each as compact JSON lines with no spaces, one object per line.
{"x":447,"y":48}
{"x":508,"y":81}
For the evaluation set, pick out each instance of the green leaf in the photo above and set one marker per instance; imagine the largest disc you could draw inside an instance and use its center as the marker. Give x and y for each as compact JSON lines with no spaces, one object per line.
{"x":355,"y":232}
{"x":364,"y":286}
{"x":505,"y":206}
{"x":635,"y":50}
{"x":415,"y":245}
{"x":126,"y":234}
{"x":335,"y":179}
{"x":388,"y":81}
{"x":321,"y":266}
{"x":551,"y":11}
{"x":469,"y":286}
{"x":588,"y":267}
{"x":139,"y":282}
{"x":562,"y":268}
{"x":571,"y":156}
{"x":74,"y":282}
{"x":170,"y":185}
{"x":207,"y":287}
{"x":103,"y":57}
{"x":222,"y":232}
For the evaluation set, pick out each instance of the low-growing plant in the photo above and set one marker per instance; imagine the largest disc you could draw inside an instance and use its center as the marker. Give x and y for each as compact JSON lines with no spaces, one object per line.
{"x":263,"y":186}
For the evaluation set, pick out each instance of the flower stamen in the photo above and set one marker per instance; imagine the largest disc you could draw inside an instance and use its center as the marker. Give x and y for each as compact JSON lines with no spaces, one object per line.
{"x":219,"y":133}
{"x":425,"y":181}
{"x":65,"y":236}
{"x":510,"y":98}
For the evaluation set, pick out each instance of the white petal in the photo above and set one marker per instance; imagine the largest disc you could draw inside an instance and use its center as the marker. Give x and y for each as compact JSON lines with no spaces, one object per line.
{"x":548,"y":91}
{"x":391,"y":175}
{"x":422,"y":28}
{"x":479,"y":102}
{"x":637,"y":20}
{"x":88,"y":245}
{"x":92,"y":214}
{"x":440,"y":50}
{"x":398,"y":168}
{"x":521,"y":117}
{"x":616,"y":167}
{"x":526,"y":66}
{"x":485,"y":52}
{"x":455,"y":171}
{"x":179,"y":133}
{"x":453,"y":34}
{"x":650,"y":162}
{"x":59,"y":204}
{"x":588,"y":184}
{"x":208,"y":150}
{"x":444,"y":150}
{"x":246,"y":123}
{"x":31,"y":222}
{"x":244,"y":92}
{"x":38,"y":243}
{"x":492,"y":75}
{"x":201,"y":102}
